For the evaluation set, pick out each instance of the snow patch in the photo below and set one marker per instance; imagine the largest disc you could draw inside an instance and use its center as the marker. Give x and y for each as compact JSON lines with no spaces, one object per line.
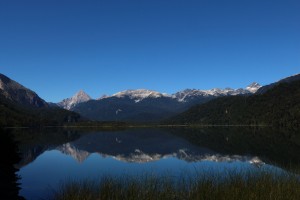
{"x":139,"y":94}
{"x":188,"y":94}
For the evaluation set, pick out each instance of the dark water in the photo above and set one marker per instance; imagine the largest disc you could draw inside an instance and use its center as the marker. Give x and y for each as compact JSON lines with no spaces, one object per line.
{"x":51,"y":156}
{"x":9,"y":186}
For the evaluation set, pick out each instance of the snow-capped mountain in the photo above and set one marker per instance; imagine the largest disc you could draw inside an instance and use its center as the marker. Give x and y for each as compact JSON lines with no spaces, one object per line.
{"x":144,"y":105}
{"x":253,"y":87}
{"x":185,"y":95}
{"x":78,"y":98}
{"x":191,"y":94}
{"x":139,"y":94}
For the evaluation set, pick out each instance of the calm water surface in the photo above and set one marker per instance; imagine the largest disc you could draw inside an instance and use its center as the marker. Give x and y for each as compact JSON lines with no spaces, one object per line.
{"x":53,"y":156}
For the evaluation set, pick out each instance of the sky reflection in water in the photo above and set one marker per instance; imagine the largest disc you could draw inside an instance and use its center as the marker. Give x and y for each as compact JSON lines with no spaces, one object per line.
{"x":95,"y":155}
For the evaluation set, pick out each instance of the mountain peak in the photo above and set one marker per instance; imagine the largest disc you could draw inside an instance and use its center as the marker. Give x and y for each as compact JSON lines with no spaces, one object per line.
{"x":254,"y":84}
{"x":82,"y":95}
{"x":77,"y":98}
{"x":253,"y":87}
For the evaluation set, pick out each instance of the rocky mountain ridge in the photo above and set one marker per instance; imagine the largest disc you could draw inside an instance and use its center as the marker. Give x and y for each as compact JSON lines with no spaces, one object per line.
{"x":19,"y":94}
{"x":141,"y":96}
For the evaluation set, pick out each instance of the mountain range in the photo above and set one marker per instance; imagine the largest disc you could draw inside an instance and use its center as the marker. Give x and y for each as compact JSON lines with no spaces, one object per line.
{"x":275,"y":104}
{"x":143,"y":105}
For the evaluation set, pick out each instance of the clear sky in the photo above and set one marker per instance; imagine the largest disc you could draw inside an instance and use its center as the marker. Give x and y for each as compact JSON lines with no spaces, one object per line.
{"x":57,"y":47}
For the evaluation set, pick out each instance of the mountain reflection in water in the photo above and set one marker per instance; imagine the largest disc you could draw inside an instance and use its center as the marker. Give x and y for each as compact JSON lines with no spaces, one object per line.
{"x":51,"y":156}
{"x":136,"y":146}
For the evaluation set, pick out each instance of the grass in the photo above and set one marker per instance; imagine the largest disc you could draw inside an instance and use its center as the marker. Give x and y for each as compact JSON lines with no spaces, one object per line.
{"x":235,"y":186}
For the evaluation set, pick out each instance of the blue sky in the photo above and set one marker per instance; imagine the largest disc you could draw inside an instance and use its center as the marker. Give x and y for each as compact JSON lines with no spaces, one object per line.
{"x":57,"y":47}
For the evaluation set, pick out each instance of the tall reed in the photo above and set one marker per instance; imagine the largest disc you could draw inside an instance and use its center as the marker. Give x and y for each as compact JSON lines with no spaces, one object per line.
{"x":234,"y":186}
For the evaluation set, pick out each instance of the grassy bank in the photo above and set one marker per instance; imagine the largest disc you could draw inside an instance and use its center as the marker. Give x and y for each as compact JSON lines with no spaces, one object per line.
{"x":238,"y":186}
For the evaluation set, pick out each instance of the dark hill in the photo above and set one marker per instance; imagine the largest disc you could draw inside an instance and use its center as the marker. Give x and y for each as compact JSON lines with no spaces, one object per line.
{"x":19,"y":94}
{"x":20,"y":106}
{"x":126,"y":109}
{"x":285,"y":80}
{"x":278,"y":105}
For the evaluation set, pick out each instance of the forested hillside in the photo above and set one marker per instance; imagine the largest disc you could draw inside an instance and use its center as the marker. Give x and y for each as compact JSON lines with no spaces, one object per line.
{"x":12,"y":114}
{"x":279,"y":106}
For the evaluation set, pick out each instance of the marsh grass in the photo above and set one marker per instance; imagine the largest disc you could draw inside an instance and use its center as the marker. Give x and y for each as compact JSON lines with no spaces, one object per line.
{"x":235,"y":186}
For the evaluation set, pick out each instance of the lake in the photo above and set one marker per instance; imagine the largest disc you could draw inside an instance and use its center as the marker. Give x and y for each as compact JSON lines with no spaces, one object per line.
{"x":52,"y":156}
